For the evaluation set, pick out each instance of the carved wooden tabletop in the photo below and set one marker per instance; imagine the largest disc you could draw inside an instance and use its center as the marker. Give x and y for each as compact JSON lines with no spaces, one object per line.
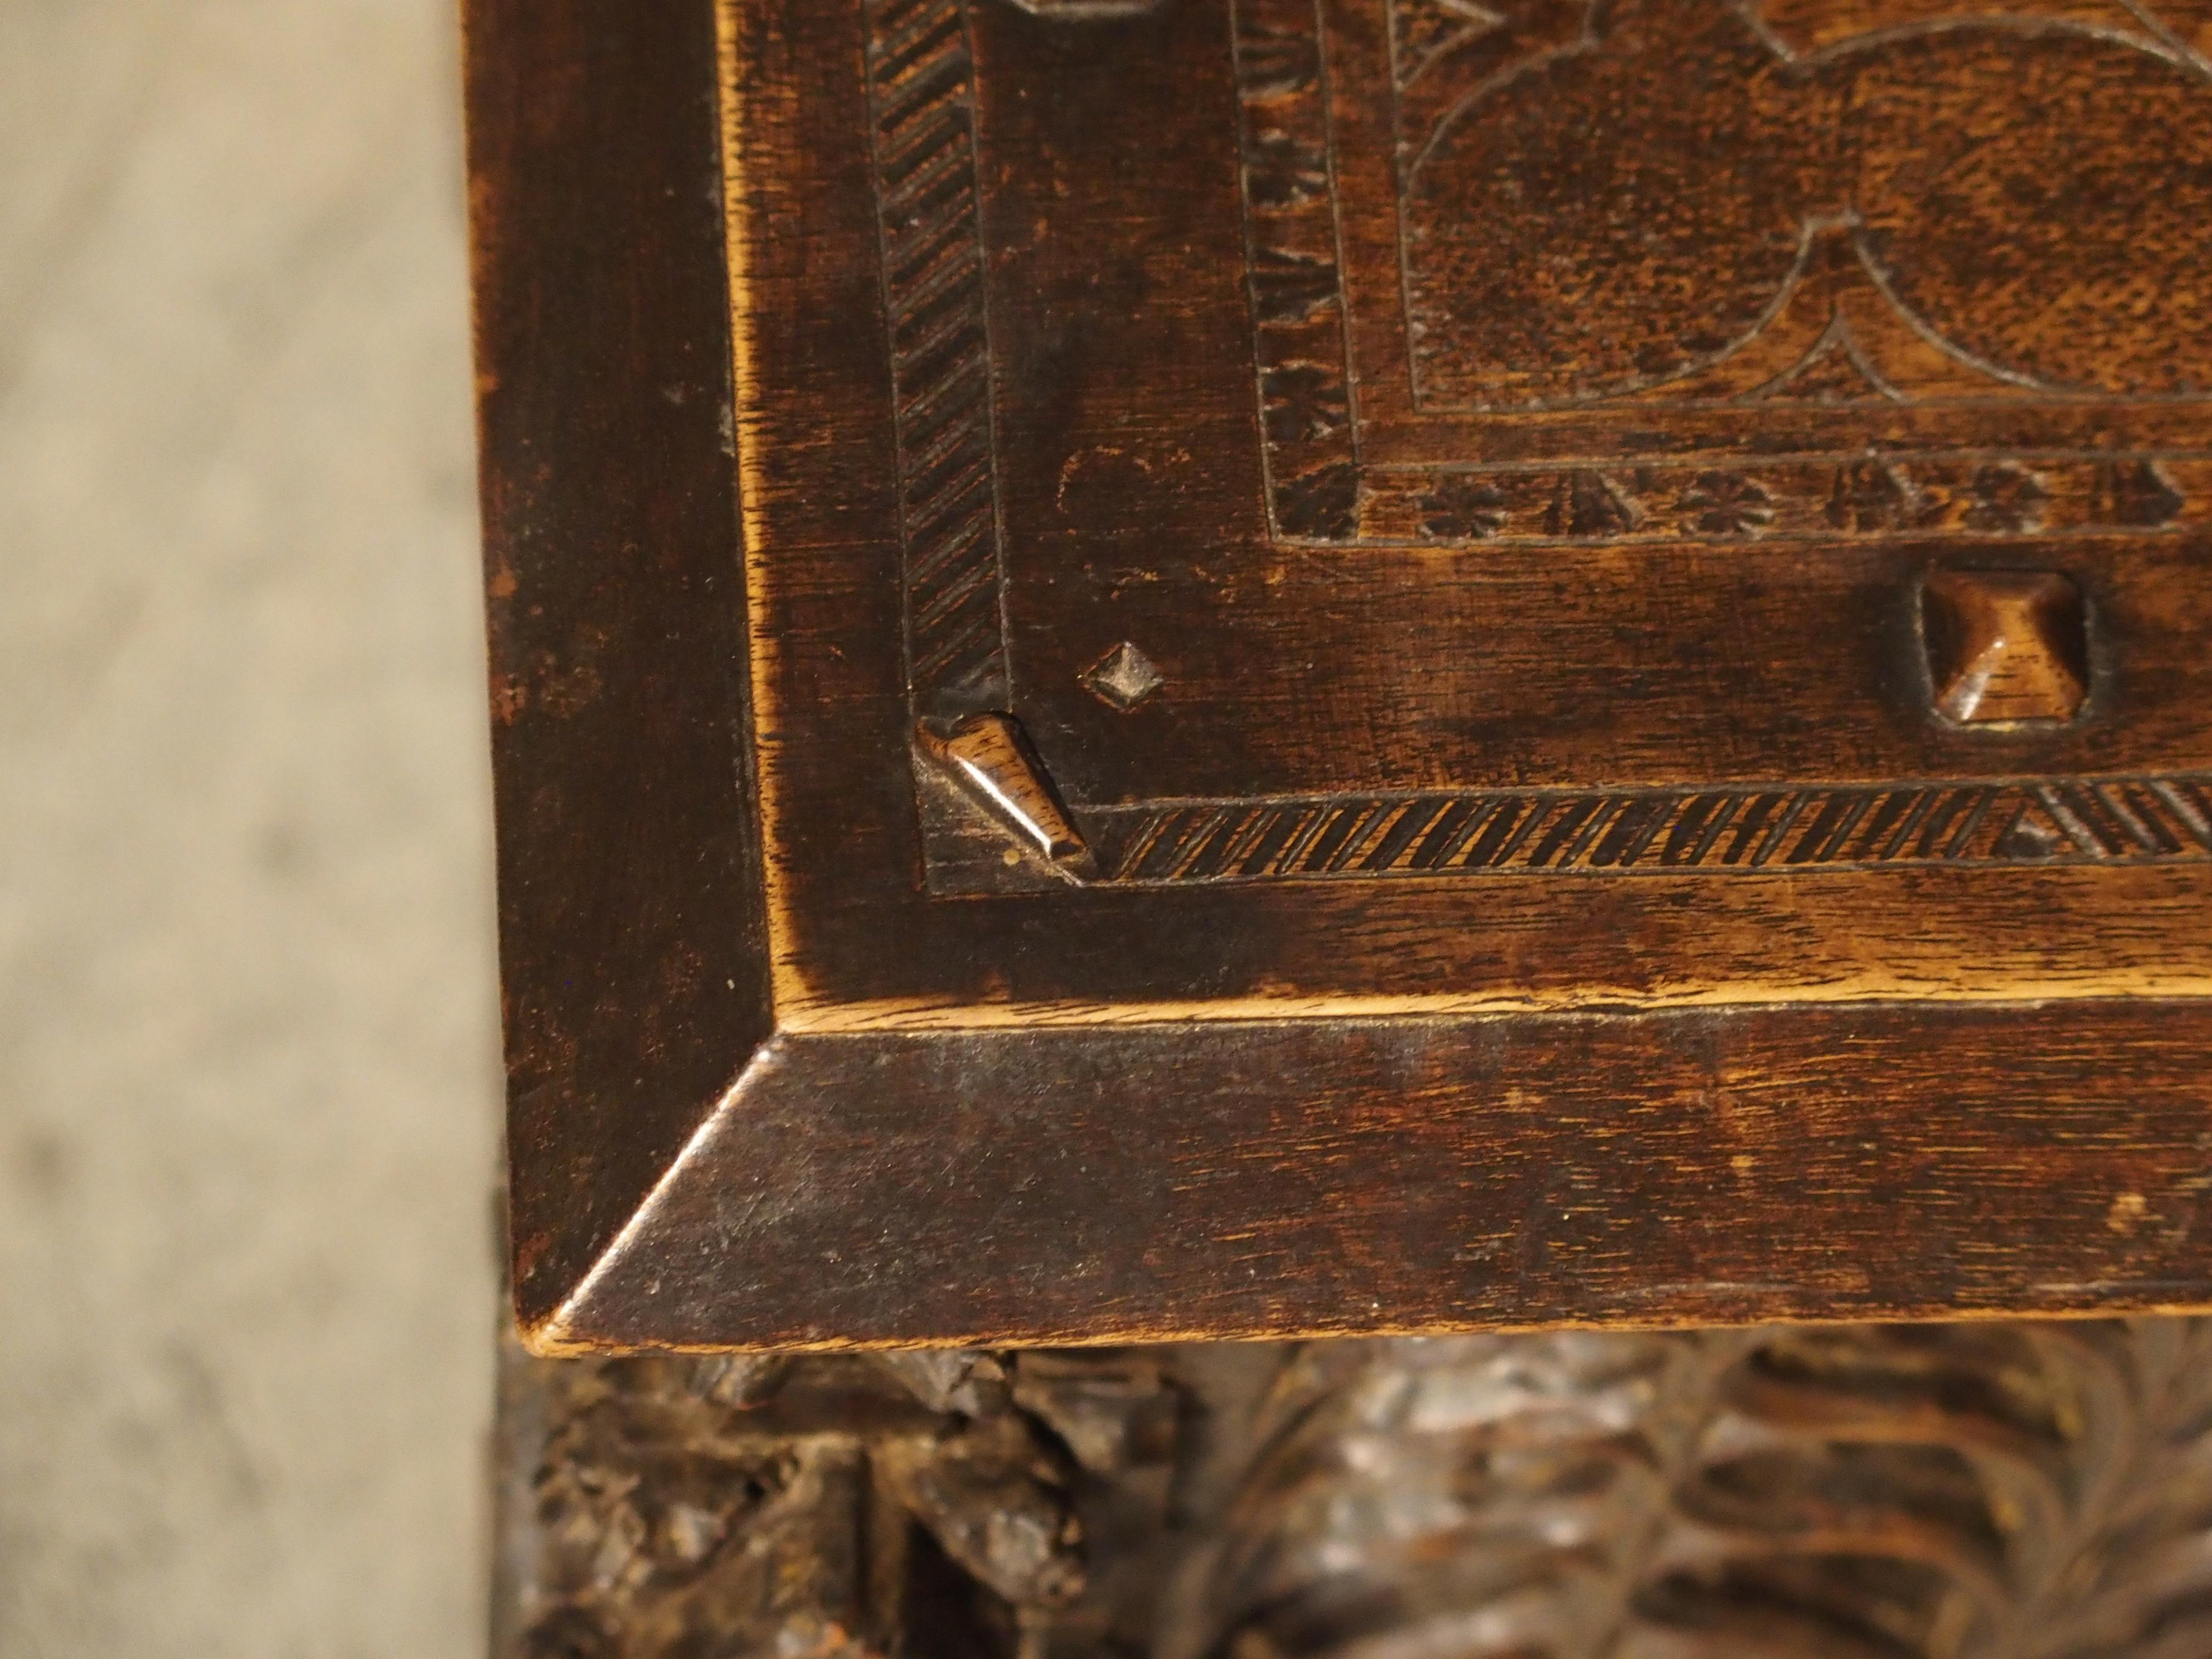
{"x":1282,"y":668}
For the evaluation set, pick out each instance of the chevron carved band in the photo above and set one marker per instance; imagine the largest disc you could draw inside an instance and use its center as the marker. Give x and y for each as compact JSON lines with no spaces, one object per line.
{"x":1775,"y":830}
{"x":922,"y":91}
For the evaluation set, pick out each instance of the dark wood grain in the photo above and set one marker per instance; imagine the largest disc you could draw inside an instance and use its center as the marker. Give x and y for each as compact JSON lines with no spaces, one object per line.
{"x":631,"y":929}
{"x":1228,"y":1179}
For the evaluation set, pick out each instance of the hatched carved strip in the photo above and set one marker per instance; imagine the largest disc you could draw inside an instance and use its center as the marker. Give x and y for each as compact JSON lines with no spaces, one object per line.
{"x":921,"y":90}
{"x":1779,"y":829}
{"x":1293,"y":275}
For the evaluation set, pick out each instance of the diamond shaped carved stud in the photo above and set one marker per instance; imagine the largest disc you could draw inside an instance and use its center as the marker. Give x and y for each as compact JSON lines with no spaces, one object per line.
{"x":2004,"y":645}
{"x":1122,"y":678}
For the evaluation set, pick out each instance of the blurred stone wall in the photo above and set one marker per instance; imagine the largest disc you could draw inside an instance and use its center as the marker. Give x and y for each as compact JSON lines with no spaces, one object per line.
{"x":248,"y":1059}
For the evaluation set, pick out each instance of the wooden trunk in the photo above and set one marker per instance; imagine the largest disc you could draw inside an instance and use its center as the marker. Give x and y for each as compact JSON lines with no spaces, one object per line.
{"x":1345,"y":758}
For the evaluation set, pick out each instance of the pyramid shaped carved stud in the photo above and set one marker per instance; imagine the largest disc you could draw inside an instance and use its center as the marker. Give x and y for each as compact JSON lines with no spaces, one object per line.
{"x":2004,"y":645}
{"x":989,"y":758}
{"x":1122,"y":678}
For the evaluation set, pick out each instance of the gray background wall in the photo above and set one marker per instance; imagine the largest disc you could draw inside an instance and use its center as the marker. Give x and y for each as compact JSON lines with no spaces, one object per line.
{"x":247,"y":1066}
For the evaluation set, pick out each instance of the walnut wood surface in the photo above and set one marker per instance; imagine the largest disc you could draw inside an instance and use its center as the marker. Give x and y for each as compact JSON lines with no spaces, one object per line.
{"x":632,"y":937}
{"x":1233,"y":1179}
{"x":1040,"y":448}
{"x":1526,"y":877}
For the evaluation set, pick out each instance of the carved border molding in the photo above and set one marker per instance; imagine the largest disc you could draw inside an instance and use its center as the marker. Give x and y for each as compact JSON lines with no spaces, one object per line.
{"x":921,"y":110}
{"x":1804,"y":500}
{"x":1745,"y":831}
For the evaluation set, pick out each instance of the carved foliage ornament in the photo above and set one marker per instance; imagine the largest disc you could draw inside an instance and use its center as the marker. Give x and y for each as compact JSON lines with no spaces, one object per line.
{"x":1966,"y":1493}
{"x":1976,"y":1492}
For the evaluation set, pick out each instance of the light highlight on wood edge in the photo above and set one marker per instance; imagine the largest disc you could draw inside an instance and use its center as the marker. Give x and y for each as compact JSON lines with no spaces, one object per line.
{"x":784,"y":983}
{"x":547,"y":1331}
{"x":547,"y":1343}
{"x":817,"y":1017}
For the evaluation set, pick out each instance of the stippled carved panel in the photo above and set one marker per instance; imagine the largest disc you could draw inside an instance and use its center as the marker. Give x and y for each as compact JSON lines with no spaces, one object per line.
{"x":1579,"y":271}
{"x":1915,"y":206}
